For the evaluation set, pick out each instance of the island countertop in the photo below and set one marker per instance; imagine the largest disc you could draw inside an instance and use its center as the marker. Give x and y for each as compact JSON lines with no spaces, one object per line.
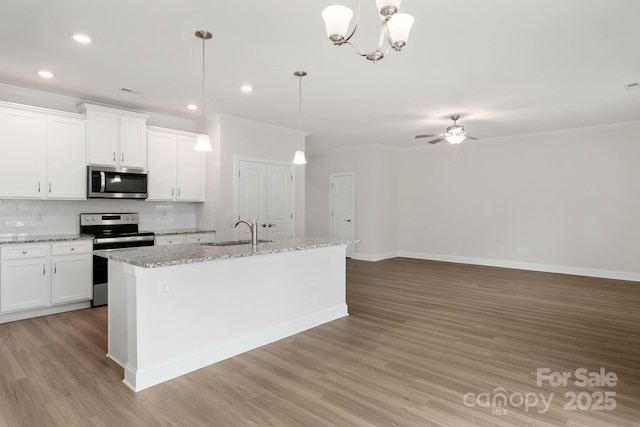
{"x":164,"y":256}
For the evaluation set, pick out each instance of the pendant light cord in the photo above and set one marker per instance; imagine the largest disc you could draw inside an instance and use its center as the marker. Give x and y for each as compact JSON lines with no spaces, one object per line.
{"x":300,"y":111}
{"x":204,"y":104}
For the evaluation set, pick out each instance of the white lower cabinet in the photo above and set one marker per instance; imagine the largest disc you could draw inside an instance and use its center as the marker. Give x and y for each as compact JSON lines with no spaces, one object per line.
{"x":25,"y":278}
{"x":71,"y":272}
{"x":176,"y":239}
{"x":170,"y":239}
{"x":41,"y":275}
{"x":200,"y":238}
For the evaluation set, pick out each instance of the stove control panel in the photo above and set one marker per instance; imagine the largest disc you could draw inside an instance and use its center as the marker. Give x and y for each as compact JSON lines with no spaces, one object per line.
{"x":108,"y":218}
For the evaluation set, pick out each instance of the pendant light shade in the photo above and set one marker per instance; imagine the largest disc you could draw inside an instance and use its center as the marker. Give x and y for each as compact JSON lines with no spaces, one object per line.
{"x":203,"y":143}
{"x":298,"y":158}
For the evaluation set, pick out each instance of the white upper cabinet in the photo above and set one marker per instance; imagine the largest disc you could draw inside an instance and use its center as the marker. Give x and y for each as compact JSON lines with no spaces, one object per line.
{"x":66,"y":156}
{"x":190,"y":173}
{"x":23,"y":138}
{"x":116,"y":137}
{"x":162,"y":165}
{"x":42,"y":153}
{"x":176,"y":171}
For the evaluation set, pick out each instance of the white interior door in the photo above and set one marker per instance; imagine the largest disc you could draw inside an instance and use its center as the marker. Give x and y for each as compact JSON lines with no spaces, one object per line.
{"x":252,"y":196}
{"x":343,"y":208}
{"x":279,"y":190}
{"x":265,"y":193}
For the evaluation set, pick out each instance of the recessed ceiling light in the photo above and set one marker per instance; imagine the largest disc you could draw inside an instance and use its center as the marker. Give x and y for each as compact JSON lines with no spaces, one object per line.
{"x":192,"y":107}
{"x":81,"y":38}
{"x":45,"y":74}
{"x":246,"y":88}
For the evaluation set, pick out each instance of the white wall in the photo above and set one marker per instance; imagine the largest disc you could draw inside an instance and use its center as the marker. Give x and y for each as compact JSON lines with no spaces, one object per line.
{"x":375,"y":169}
{"x":231,"y":137}
{"x":565,"y":201}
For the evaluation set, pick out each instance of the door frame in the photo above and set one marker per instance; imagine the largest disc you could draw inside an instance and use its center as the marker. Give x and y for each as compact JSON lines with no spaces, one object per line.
{"x":236,"y":168}
{"x":350,"y":248}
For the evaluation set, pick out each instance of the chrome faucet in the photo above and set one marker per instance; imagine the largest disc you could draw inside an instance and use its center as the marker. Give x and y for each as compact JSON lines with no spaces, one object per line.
{"x":253,"y":225}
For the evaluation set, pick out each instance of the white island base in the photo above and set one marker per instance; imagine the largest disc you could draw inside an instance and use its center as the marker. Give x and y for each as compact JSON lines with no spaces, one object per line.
{"x":167,"y":321}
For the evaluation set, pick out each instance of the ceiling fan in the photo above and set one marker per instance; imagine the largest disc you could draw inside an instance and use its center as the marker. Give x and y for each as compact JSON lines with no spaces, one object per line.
{"x":455,"y":133}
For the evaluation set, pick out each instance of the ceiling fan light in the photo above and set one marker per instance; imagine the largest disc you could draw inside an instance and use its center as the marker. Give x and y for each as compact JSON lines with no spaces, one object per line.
{"x":336,"y":20}
{"x":388,"y":7}
{"x":299,"y":159}
{"x":455,"y":138}
{"x":203,"y":143}
{"x":399,"y":27}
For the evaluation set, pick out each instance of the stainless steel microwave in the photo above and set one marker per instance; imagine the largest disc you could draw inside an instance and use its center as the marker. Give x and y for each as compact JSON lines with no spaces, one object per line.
{"x":108,"y":182}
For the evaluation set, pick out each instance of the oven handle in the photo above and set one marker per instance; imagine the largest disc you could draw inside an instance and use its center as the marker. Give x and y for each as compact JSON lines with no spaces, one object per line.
{"x":122,"y":239}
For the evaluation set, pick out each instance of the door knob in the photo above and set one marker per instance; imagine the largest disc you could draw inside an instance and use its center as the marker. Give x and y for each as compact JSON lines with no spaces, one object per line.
{"x":271,"y":225}
{"x":347,"y":220}
{"x":264,"y":225}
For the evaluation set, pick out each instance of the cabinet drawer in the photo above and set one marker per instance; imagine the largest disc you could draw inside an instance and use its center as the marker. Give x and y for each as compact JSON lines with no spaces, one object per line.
{"x":23,"y":251}
{"x":74,"y":247}
{"x":173,"y":239}
{"x":200,"y":238}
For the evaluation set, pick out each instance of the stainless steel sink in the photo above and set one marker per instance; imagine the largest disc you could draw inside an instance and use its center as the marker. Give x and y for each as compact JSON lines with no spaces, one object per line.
{"x":235,"y":243}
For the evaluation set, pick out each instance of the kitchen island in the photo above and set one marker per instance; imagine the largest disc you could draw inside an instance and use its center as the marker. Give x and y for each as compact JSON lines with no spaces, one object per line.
{"x":175,"y":309}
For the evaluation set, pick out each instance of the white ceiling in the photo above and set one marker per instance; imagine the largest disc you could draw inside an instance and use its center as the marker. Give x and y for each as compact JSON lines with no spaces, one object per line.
{"x":507,"y":67}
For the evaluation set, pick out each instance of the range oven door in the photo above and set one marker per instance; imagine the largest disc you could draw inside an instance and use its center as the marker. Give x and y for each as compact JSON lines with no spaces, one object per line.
{"x":101,"y":265}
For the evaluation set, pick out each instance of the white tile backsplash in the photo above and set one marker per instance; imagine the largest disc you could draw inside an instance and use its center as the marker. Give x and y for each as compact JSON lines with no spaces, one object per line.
{"x":53,"y":217}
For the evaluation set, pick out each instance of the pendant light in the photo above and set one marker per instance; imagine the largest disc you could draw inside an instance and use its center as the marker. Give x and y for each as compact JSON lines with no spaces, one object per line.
{"x":202,"y":142}
{"x":298,"y":158}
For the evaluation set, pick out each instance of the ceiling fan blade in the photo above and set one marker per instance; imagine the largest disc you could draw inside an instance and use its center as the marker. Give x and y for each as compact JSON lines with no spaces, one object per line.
{"x":427,"y":136}
{"x":435,"y":141}
{"x":471,"y":137}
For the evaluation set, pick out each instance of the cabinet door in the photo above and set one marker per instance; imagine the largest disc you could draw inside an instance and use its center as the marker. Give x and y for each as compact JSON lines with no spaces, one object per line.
{"x":173,"y":239}
{"x":71,"y":278}
{"x":190,"y":175}
{"x":24,"y":284}
{"x":200,"y":238}
{"x":103,"y":137}
{"x":22,"y":162}
{"x":133,"y":142}
{"x":66,"y":148}
{"x":162,"y":166}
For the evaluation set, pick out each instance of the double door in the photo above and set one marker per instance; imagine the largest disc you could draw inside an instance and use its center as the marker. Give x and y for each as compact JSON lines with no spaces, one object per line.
{"x":265,"y":193}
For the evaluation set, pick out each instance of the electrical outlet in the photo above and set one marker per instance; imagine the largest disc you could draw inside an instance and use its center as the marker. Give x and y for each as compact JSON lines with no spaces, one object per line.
{"x":522,"y":251}
{"x":164,"y":288}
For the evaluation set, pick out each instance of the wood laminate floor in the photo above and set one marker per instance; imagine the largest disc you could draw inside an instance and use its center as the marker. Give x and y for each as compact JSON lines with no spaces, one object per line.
{"x":426,"y":344}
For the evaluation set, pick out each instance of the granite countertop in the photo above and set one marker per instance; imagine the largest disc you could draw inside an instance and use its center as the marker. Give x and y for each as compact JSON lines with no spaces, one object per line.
{"x":181,"y":231}
{"x":8,"y":240}
{"x":165,"y":256}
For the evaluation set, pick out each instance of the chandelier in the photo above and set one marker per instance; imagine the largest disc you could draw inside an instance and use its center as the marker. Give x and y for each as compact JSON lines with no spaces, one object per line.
{"x":394,"y":30}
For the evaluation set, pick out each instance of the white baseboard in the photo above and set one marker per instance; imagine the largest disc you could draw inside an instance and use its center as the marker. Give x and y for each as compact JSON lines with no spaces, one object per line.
{"x":46,"y":311}
{"x":578,"y":271}
{"x":374,"y":258}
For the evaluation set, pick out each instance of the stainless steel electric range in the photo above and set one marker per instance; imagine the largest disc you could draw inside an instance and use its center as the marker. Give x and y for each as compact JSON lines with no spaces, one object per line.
{"x":111,"y":231}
